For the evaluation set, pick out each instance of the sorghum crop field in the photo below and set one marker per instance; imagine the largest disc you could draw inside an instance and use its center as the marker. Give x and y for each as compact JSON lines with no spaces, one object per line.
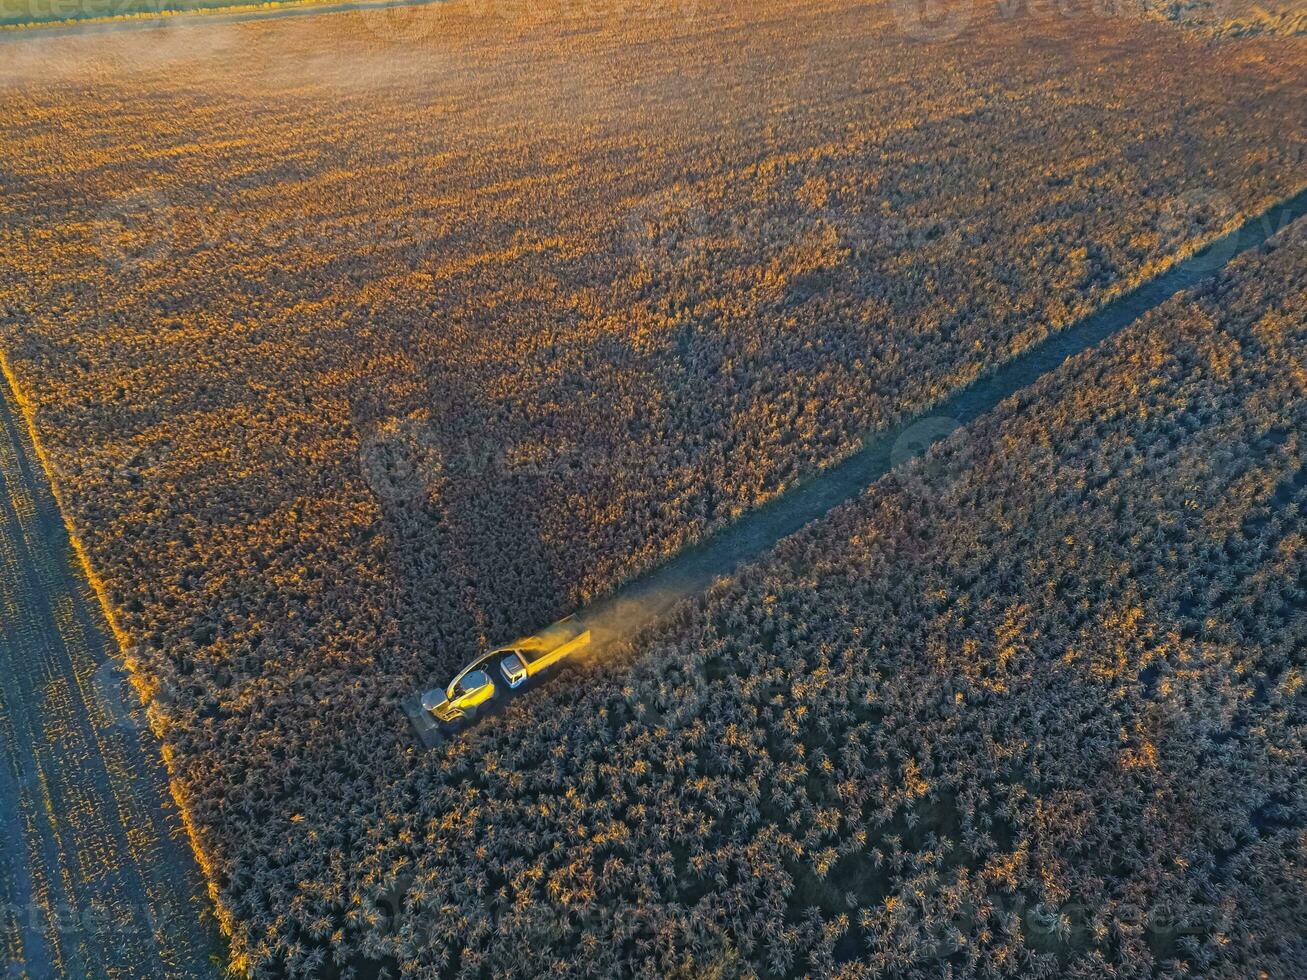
{"x":359,"y":341}
{"x":1033,"y":706}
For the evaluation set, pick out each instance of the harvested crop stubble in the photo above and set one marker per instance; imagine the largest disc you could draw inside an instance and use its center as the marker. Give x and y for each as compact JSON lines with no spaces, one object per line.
{"x":354,"y":356}
{"x":96,"y":879}
{"x":1035,"y":708}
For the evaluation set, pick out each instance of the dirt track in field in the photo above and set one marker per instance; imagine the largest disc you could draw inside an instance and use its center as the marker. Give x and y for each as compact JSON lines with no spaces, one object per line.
{"x":96,"y":876}
{"x":756,"y":533}
{"x":642,"y":601}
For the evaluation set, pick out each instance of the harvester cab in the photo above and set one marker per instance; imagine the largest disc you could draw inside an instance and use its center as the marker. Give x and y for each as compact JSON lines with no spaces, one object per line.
{"x":463,"y":699}
{"x":476,"y":687}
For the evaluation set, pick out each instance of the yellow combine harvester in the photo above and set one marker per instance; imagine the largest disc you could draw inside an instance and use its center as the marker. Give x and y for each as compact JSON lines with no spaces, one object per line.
{"x":476,"y":688}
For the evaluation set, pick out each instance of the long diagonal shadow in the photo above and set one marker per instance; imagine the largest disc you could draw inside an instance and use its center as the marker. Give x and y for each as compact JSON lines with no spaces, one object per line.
{"x":450,"y":503}
{"x":696,"y":568}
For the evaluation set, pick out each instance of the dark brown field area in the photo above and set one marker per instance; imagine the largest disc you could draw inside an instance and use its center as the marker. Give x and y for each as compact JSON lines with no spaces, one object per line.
{"x":357,"y":342}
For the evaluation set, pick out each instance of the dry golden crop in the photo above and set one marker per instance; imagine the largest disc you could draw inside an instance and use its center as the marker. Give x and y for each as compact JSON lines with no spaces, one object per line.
{"x":358,"y":341}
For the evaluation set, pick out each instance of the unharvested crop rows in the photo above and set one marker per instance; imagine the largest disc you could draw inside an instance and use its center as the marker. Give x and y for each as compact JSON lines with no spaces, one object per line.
{"x":354,"y":354}
{"x":1033,"y":707}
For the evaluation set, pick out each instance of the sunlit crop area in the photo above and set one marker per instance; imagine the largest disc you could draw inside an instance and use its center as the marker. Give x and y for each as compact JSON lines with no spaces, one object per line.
{"x":20,"y":13}
{"x":1212,"y":18}
{"x":361,"y":341}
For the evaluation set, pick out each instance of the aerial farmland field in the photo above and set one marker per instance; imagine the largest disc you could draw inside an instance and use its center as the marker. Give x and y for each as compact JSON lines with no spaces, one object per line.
{"x":356,"y":343}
